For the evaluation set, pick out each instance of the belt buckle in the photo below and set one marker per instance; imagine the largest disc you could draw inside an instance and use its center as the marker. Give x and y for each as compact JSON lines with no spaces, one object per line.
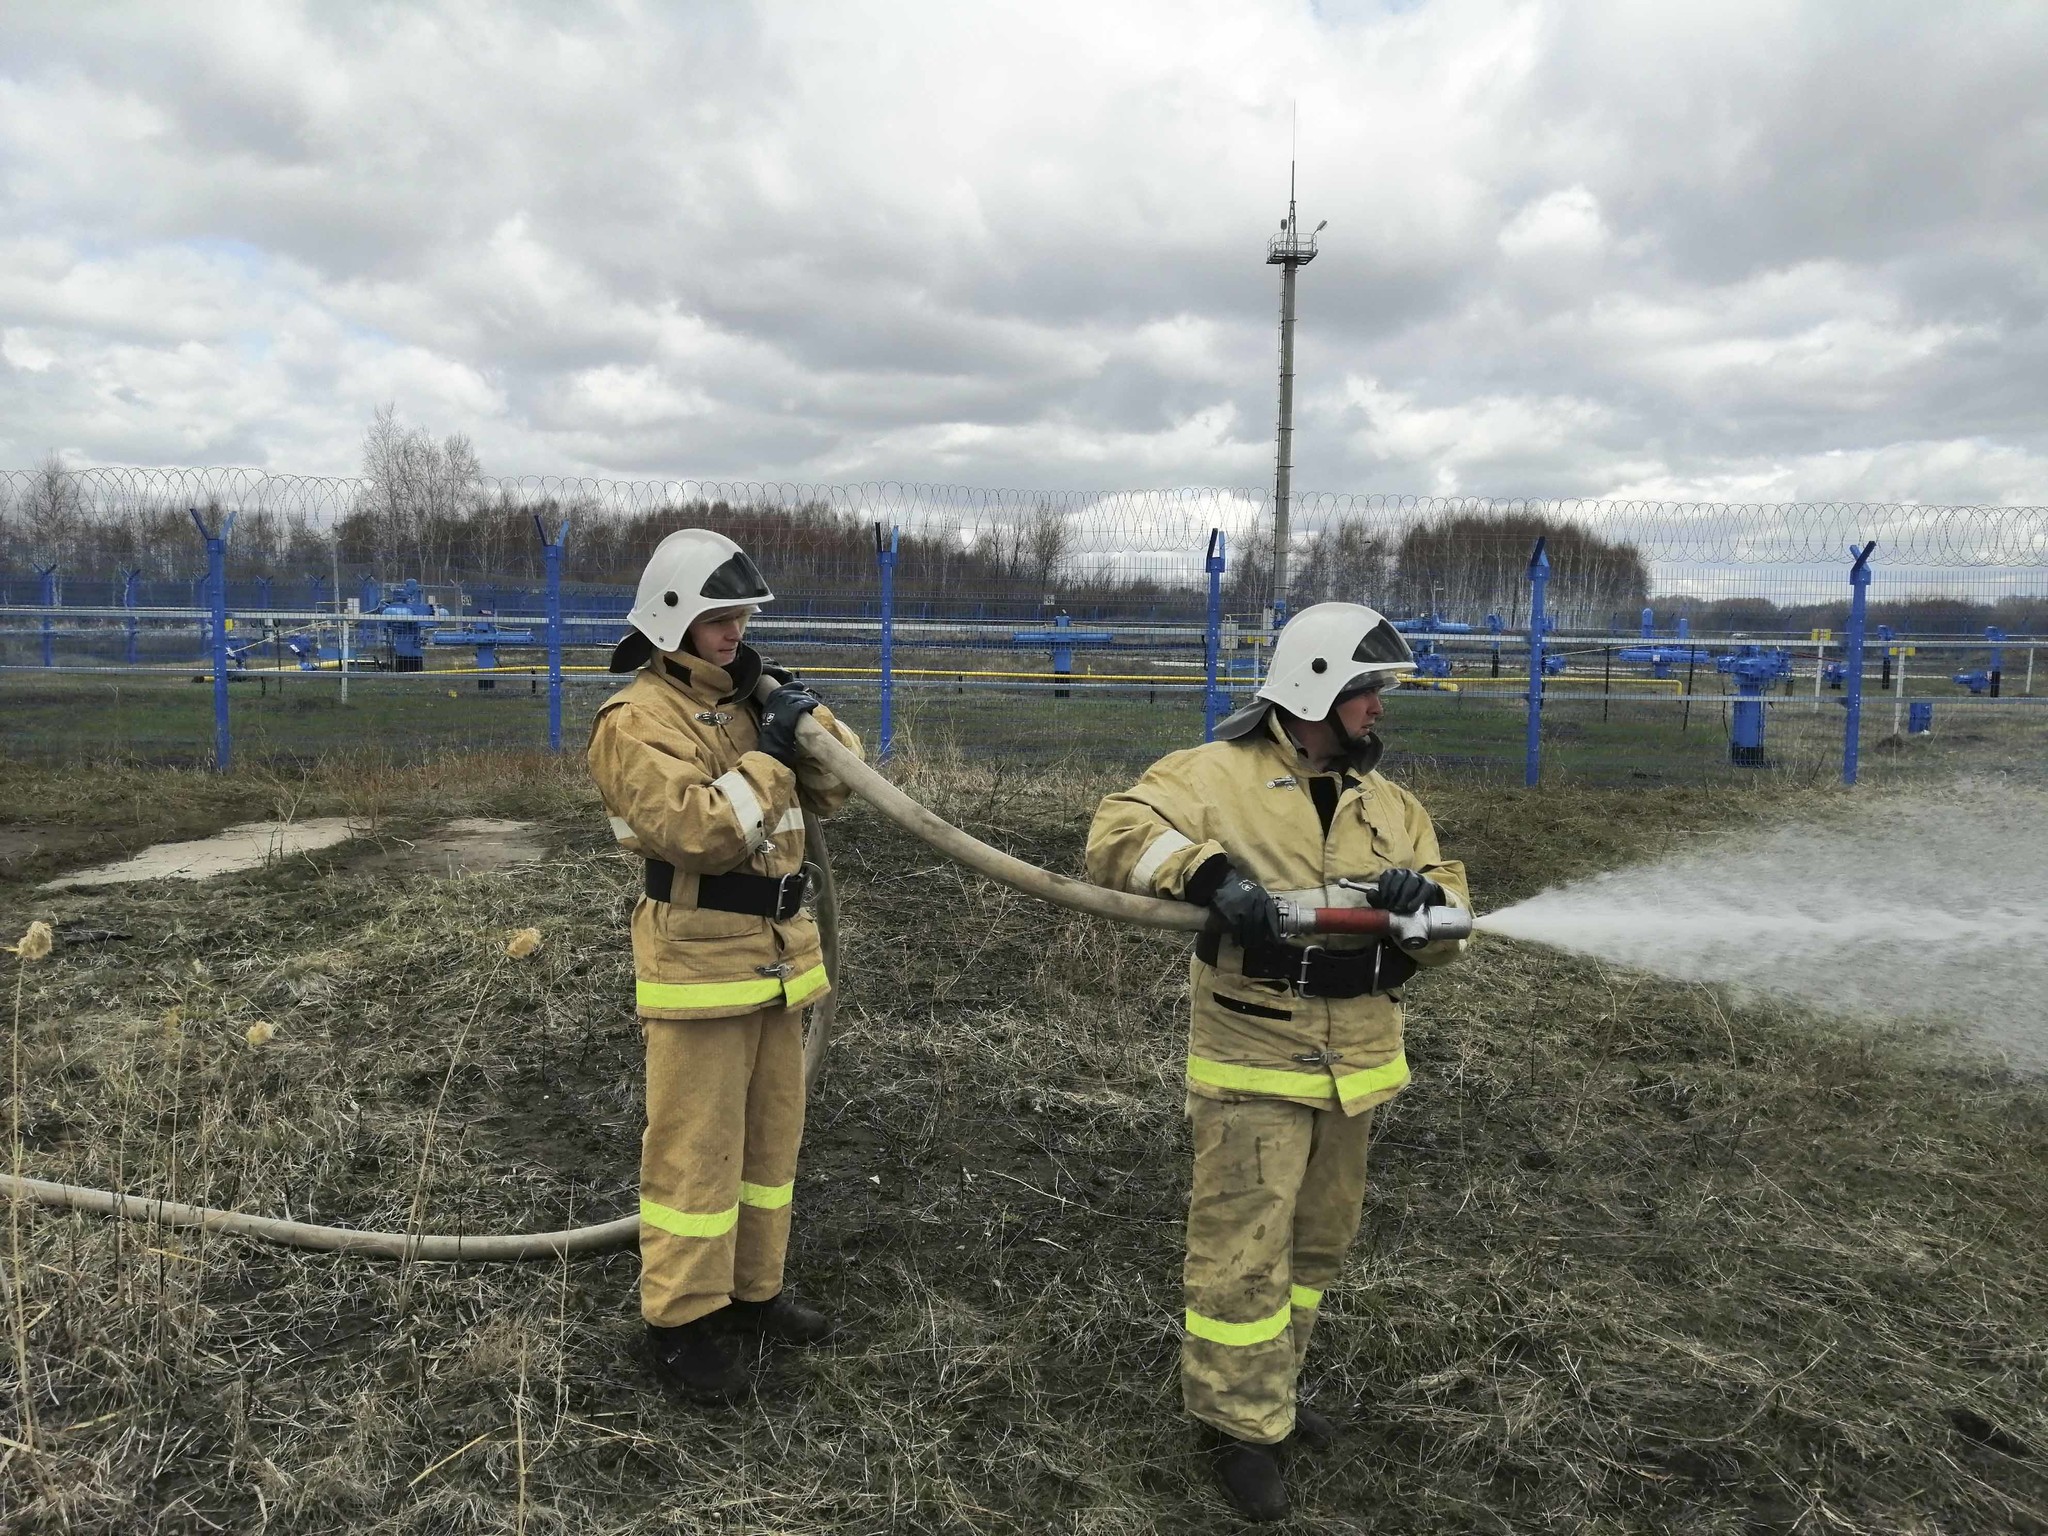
{"x":1300,"y":982}
{"x":790,"y":891}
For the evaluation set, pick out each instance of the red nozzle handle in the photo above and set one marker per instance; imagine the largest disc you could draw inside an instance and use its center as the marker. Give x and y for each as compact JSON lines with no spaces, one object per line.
{"x":1368,"y":920}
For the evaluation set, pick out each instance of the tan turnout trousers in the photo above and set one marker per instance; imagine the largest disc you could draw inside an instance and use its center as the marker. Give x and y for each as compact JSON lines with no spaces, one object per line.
{"x":1278,"y":1191}
{"x":725,"y":1115}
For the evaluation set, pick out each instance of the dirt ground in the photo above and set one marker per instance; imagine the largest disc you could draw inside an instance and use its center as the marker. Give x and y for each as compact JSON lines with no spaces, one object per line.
{"x":1636,"y":1258}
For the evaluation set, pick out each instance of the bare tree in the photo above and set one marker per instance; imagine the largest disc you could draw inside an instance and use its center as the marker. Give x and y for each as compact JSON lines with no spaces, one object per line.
{"x":419,"y":493}
{"x":1045,"y":539}
{"x":49,"y":515}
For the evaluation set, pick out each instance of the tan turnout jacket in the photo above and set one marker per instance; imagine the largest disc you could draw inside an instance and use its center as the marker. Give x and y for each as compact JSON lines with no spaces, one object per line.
{"x":673,"y":756}
{"x":1249,"y":799}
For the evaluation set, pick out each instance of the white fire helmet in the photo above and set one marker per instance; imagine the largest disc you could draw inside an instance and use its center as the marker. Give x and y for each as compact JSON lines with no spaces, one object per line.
{"x":692,"y":572}
{"x":1330,"y":650}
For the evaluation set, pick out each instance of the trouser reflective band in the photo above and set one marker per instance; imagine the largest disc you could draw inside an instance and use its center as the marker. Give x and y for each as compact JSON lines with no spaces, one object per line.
{"x":690,"y":1223}
{"x":769,"y":990}
{"x":1383,"y":1078}
{"x":767,"y":1197}
{"x":1306,"y":1297}
{"x":1218,"y":1332}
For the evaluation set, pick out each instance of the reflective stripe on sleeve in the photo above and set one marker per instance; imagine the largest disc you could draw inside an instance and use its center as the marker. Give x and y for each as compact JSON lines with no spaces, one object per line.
{"x":1218,"y":1332}
{"x":1298,"y":1085}
{"x":1157,"y":852}
{"x":622,"y":829}
{"x":1380,"y":1079}
{"x":792,"y":821}
{"x":1306,"y":1298}
{"x":688,"y":1223}
{"x":767,"y":1197}
{"x":746,"y":805}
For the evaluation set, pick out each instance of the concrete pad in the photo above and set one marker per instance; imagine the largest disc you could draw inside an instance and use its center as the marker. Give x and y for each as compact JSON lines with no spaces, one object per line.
{"x":248,"y":846}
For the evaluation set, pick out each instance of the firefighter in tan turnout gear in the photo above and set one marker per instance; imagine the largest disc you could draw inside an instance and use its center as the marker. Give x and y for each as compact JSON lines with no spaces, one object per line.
{"x":1290,"y":1045}
{"x":702,"y":783}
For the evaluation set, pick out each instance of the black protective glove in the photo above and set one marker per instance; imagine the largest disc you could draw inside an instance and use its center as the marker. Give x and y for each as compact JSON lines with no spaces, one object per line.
{"x":1404,"y":891}
{"x":782,"y":676}
{"x":780,"y":717}
{"x":1248,"y":911}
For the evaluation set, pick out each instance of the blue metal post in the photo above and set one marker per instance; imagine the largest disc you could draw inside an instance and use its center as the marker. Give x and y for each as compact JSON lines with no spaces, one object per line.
{"x":217,"y":607}
{"x":551,"y":552}
{"x":1852,"y":658}
{"x":131,"y":599}
{"x":1997,"y":638}
{"x":46,"y":594}
{"x":885,"y":558}
{"x":1539,"y":579}
{"x":1213,"y":700}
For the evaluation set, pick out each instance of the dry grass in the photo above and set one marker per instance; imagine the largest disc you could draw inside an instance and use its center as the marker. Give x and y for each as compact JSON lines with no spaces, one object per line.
{"x":1636,"y":1258}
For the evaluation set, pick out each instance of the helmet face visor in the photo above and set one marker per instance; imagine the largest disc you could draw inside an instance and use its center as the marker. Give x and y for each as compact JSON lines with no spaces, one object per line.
{"x":736,"y":581}
{"x":1385,"y":645}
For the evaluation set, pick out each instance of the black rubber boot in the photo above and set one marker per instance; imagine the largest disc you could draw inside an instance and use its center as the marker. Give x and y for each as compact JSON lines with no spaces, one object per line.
{"x":1251,"y":1478}
{"x":781,"y":1317}
{"x":1313,"y":1431}
{"x":694,"y":1362}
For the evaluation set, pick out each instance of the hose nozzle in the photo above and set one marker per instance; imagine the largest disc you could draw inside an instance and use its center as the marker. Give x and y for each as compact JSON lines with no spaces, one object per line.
{"x":1410,"y":930}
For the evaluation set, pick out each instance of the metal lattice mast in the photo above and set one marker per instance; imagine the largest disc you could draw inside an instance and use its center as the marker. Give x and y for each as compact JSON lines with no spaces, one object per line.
{"x":1289,"y":252}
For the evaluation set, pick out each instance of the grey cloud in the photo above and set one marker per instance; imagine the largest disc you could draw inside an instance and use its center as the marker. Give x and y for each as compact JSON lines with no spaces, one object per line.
{"x":1572,"y":247}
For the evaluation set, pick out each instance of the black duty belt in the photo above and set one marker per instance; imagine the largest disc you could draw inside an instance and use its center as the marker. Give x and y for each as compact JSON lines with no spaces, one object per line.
{"x":779,"y":897}
{"x":1312,"y":971}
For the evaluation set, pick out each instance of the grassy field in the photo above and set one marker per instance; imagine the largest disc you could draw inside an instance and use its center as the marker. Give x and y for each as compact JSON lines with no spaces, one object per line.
{"x":1636,"y":1258}
{"x":1623,"y":740}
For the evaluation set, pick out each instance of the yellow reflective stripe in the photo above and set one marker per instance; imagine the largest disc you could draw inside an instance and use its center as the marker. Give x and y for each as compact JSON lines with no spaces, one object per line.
{"x":1309,"y":1085}
{"x":1379,"y":1079}
{"x":767,"y":1197}
{"x":1217,"y":1332}
{"x":688,"y":1223}
{"x":705,"y":994}
{"x":728,"y":994}
{"x":1306,"y":1297}
{"x":803,"y":984}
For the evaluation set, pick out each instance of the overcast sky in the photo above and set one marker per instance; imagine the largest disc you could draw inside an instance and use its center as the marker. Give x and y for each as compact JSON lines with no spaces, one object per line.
{"x":1695,"y":248}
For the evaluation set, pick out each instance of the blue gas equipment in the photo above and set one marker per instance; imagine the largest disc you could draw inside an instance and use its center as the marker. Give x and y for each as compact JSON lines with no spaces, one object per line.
{"x":1754,"y":671}
{"x":1061,"y":640}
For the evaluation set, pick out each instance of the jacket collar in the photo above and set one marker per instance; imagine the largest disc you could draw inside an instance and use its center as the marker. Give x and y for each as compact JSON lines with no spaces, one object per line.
{"x":1246,"y":726}
{"x":708,"y":683}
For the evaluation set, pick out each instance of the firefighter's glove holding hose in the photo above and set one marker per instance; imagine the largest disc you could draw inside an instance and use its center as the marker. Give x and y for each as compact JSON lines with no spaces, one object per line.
{"x":783,"y":676}
{"x":1248,"y":911}
{"x":1404,"y":891}
{"x":780,"y":716}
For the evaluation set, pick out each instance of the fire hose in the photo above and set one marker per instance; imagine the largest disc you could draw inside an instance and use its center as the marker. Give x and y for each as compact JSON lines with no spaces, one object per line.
{"x":1411,"y":931}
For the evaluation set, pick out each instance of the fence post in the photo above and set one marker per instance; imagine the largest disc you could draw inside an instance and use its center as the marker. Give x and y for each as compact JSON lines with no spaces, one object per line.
{"x":1852,"y":657}
{"x":885,"y":558}
{"x":1539,"y":579}
{"x":46,"y":594}
{"x":217,"y":607}
{"x":1212,"y":638}
{"x":131,"y":599}
{"x":551,"y":552}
